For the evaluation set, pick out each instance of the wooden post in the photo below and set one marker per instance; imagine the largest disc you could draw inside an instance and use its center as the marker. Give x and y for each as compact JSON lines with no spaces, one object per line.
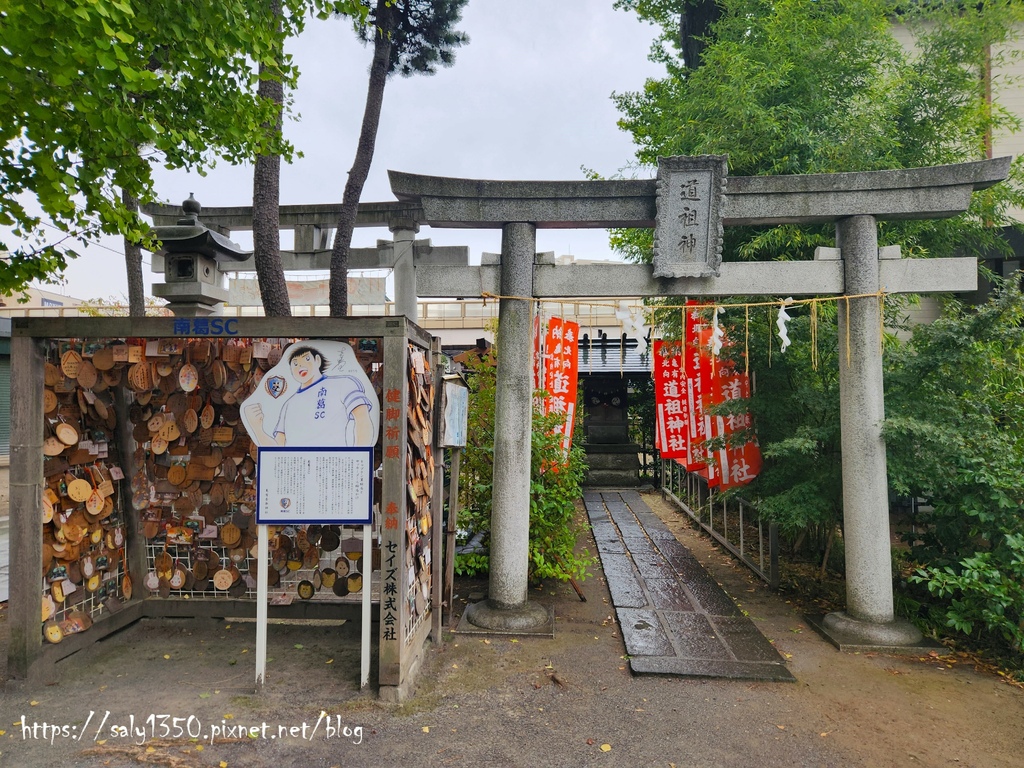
{"x":436,"y":498}
{"x":449,"y":549}
{"x":393,"y":587}
{"x":26,"y":538}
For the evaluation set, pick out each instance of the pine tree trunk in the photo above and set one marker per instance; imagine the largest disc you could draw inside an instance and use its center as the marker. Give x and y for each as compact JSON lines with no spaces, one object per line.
{"x":266,"y":189}
{"x":361,"y":165}
{"x":133,"y":266}
{"x":694,"y":24}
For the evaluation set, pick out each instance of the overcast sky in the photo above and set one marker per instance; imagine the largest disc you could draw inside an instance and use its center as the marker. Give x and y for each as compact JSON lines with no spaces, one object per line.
{"x":528,"y":98}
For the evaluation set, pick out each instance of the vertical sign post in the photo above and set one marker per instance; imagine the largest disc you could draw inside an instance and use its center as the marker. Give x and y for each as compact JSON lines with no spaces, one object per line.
{"x":302,"y":486}
{"x":451,"y":433}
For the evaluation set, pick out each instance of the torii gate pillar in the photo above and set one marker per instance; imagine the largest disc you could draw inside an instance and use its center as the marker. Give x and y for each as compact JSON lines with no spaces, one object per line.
{"x":506,"y":608}
{"x":869,"y":614}
{"x":404,"y":233}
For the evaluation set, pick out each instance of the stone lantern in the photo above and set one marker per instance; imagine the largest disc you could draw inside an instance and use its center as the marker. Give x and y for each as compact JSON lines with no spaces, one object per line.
{"x":192,"y":256}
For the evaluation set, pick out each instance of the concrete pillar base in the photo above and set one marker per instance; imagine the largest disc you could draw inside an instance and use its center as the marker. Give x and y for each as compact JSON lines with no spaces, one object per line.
{"x":489,"y":615}
{"x":854,"y":631}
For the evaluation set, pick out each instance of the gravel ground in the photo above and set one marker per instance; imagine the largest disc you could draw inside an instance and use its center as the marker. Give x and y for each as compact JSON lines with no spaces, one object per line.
{"x":567,"y":701}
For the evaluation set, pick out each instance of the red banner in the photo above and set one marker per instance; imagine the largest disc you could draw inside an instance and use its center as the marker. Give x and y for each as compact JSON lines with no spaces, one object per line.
{"x":685,"y":390}
{"x":698,"y":376}
{"x":561,"y":373}
{"x":670,"y":398}
{"x":734,"y":464}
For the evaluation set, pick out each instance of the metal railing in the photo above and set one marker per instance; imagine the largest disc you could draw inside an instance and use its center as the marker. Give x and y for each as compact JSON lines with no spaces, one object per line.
{"x":732,"y":522}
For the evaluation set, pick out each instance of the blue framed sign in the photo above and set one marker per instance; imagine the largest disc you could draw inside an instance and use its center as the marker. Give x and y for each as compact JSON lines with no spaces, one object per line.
{"x":299,"y":486}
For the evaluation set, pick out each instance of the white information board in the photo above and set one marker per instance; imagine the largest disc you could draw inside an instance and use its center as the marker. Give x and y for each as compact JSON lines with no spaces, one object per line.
{"x":456,"y":410}
{"x":300,"y":486}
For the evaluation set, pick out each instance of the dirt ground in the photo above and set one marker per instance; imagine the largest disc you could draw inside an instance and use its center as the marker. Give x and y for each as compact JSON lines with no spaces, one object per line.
{"x":567,"y":701}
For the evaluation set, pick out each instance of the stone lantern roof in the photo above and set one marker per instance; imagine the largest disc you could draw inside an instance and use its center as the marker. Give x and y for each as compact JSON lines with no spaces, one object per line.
{"x":188,"y":235}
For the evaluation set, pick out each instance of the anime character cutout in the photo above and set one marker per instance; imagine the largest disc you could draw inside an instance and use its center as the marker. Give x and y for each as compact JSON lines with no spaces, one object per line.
{"x":318,"y":395}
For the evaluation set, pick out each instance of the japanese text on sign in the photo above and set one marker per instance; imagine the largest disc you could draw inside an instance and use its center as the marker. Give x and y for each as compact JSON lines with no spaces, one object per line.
{"x":688,"y":229}
{"x":315,"y":485}
{"x":561,"y":373}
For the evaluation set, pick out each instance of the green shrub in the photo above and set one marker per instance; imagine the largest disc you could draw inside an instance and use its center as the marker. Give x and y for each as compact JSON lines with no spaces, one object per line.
{"x":955,"y":431}
{"x":555,"y":485}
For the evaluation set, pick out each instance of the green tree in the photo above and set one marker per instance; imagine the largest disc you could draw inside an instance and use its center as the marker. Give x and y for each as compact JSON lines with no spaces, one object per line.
{"x":790,"y":87}
{"x":955,"y":410}
{"x":409,"y":37}
{"x":86,"y":84}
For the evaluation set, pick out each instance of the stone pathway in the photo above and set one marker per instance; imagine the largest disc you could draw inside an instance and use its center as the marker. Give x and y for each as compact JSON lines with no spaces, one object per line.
{"x":674,"y":617}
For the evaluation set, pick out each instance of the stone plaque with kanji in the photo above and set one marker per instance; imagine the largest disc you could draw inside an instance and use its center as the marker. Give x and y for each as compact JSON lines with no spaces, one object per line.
{"x":688,"y":228}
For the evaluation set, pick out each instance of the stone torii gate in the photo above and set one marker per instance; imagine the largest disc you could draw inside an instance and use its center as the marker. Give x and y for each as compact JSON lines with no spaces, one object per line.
{"x":687,"y":263}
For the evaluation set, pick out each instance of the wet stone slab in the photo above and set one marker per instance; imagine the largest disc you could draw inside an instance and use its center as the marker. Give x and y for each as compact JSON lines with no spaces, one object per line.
{"x":623,"y":581}
{"x":745,"y":640}
{"x":643,"y":633}
{"x":675,"y":619}
{"x":604,"y":530}
{"x":660,"y":537}
{"x":695,"y":636}
{"x":641,"y":545}
{"x":710,"y":597}
{"x":686,"y":566}
{"x":668,"y":594}
{"x":652,"y":565}
{"x":720,"y":668}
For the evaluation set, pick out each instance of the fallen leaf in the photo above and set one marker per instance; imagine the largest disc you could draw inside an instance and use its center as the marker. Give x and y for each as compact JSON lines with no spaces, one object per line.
{"x":300,"y":646}
{"x":781,"y":727}
{"x":150,"y":750}
{"x":33,"y":703}
{"x":329,"y":661}
{"x":199,"y":747}
{"x":513,"y":640}
{"x":487,"y":642}
{"x":204,"y":695}
{"x":167,"y":655}
{"x":455,"y":666}
{"x":229,"y":717}
{"x":606,"y":747}
{"x":426,"y":729}
{"x":823,"y":734}
{"x":101,"y":742}
{"x":223,"y":764}
{"x":590,"y":741}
